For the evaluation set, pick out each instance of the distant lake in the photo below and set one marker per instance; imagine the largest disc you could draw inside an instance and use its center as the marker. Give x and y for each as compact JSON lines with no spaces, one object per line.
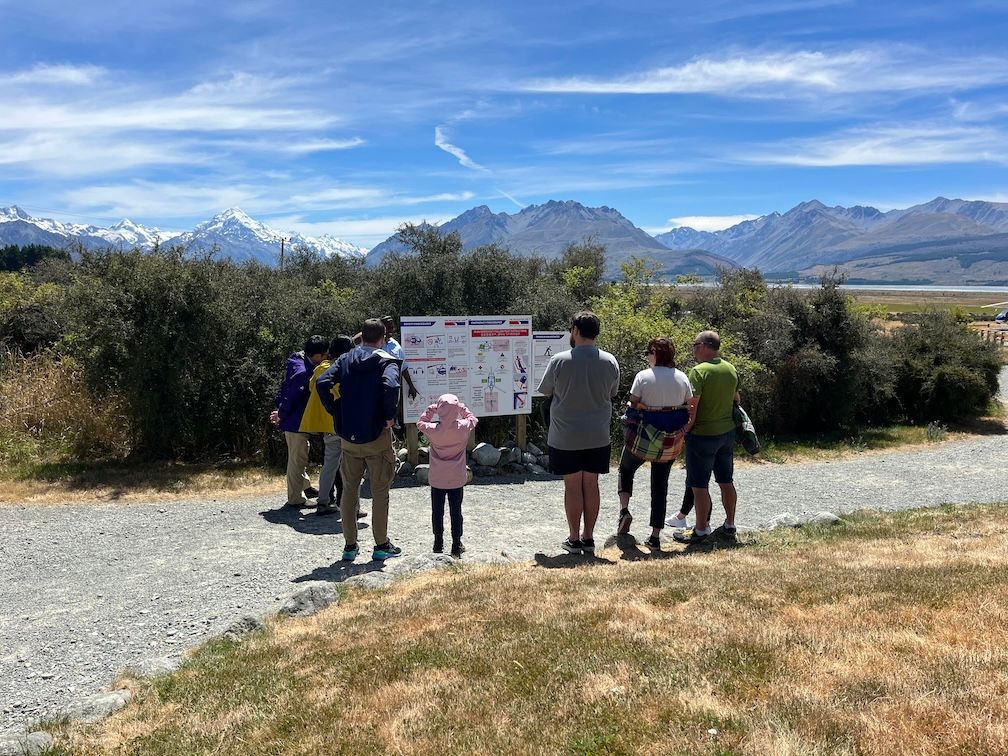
{"x":882,"y":287}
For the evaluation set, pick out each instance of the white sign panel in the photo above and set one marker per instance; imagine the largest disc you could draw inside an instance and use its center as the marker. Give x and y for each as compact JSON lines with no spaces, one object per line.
{"x":544,"y":345}
{"x":484,"y":360}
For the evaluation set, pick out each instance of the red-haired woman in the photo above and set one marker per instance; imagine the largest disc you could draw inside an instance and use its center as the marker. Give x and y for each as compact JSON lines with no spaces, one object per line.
{"x":660,"y":393}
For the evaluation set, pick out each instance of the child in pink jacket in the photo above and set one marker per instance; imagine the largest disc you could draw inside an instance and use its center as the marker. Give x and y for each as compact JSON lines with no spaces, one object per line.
{"x":447,"y":474}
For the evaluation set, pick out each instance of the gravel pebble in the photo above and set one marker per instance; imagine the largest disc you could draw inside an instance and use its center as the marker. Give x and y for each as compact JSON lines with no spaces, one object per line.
{"x":90,"y":589}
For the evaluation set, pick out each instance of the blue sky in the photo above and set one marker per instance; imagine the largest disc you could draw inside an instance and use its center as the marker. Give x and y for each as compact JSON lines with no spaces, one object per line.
{"x":350,"y":118}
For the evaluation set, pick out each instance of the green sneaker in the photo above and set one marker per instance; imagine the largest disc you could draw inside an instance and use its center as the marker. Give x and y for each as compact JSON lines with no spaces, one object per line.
{"x":387,"y":551}
{"x":350,"y":553}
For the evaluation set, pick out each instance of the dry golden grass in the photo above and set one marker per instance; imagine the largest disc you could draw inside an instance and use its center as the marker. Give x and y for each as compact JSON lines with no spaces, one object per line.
{"x":58,"y":483}
{"x":885,"y":635}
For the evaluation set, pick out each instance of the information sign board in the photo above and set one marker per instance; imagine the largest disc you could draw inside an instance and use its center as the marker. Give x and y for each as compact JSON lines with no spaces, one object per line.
{"x":544,"y":345}
{"x":486,"y":361}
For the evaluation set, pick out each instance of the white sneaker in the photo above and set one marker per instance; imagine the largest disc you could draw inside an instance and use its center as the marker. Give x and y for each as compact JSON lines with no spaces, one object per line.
{"x":676,"y":522}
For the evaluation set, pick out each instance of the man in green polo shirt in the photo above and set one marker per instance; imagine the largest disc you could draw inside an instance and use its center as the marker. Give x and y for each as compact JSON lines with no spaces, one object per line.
{"x":710,"y":444}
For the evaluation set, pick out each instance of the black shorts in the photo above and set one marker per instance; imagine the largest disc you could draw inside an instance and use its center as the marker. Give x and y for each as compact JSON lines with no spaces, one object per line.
{"x":567,"y":461}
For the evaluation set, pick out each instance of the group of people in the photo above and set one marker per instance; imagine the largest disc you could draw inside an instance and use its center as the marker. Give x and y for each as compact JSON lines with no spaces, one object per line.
{"x":695,"y":410}
{"x":348,"y":390}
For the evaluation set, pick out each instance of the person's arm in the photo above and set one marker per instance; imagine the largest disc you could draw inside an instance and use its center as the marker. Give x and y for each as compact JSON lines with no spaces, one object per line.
{"x":426,"y":422}
{"x":467,"y":416}
{"x":295,"y":381}
{"x":409,"y":381}
{"x":390,"y":382}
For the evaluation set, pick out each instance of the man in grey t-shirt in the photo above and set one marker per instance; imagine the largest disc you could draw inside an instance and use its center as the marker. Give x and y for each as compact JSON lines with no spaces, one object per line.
{"x":581,"y":385}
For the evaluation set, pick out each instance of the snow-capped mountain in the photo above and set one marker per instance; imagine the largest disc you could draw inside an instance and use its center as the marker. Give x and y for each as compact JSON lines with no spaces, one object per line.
{"x":237,"y":236}
{"x":231,"y":234}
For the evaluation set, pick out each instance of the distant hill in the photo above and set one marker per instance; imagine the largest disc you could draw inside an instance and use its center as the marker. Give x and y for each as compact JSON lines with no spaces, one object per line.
{"x":548,"y":229}
{"x":231,"y":234}
{"x":923,"y":243}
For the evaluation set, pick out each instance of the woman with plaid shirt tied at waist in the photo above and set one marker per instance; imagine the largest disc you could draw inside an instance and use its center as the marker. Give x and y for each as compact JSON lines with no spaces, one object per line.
{"x":661,"y":387}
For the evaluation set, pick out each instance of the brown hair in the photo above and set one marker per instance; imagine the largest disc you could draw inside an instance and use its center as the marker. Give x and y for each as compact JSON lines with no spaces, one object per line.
{"x":587,"y":323}
{"x":372,"y":331}
{"x":664,"y":352}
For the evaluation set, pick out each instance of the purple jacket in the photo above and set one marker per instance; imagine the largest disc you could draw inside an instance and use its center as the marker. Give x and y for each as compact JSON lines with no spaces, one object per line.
{"x":447,"y":440}
{"x":293,"y":396}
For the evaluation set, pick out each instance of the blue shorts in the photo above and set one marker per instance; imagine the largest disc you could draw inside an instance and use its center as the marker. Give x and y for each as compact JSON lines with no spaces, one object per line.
{"x":706,"y":454}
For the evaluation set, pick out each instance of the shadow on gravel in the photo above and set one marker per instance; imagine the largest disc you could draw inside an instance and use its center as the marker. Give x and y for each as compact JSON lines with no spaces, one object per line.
{"x":631,"y":550}
{"x":306,"y":521}
{"x":567,"y":561}
{"x":339,"y":571}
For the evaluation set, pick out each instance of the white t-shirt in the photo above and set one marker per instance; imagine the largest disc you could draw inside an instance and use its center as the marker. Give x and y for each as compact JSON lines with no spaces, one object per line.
{"x":662,"y":387}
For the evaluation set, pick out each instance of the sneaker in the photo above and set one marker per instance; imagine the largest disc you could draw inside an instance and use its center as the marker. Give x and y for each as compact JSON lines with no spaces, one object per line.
{"x":458,"y":549}
{"x":387,"y":551}
{"x":725,"y":533}
{"x":679,"y":523}
{"x":324,"y":509}
{"x":296,"y":504}
{"x":438,"y":546}
{"x":350,"y":553}
{"x":588,"y":545}
{"x":361,"y":513}
{"x":311,"y":493}
{"x":653,"y":542}
{"x":572,"y":547}
{"x":690,"y":536}
{"x":625,"y":519}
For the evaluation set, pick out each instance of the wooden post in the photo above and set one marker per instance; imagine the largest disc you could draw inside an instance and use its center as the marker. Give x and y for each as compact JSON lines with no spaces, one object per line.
{"x":520,"y":432}
{"x":412,"y":444}
{"x":471,"y":443}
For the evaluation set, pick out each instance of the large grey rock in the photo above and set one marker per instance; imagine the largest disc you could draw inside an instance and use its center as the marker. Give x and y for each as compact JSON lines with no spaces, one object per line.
{"x":405,"y":470}
{"x":538,"y":470}
{"x":469,"y":474}
{"x":423,"y":454}
{"x":513,"y":468}
{"x":25,"y":743}
{"x":785,"y":520}
{"x":509,"y":455}
{"x":403,"y":454}
{"x":95,"y":708}
{"x":158,"y":666}
{"x":242,"y":627}
{"x":486,"y":455}
{"x":529,"y":459}
{"x":422,"y":474}
{"x":543,"y":459}
{"x":484,"y":471}
{"x":533,"y":449}
{"x":310,"y":600}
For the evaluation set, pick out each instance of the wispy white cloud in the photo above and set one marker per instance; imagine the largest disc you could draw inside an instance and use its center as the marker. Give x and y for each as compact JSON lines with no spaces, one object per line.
{"x":703,"y":222}
{"x":366,"y":232}
{"x":889,"y":145}
{"x":45,"y":73}
{"x":517,"y":203}
{"x":441,"y":141}
{"x":781,"y":74}
{"x":322,"y":145}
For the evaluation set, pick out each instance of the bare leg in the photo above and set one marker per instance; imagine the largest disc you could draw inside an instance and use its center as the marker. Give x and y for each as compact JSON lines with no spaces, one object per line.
{"x":702,"y":507}
{"x":592,"y":502}
{"x":574,"y":504}
{"x":729,"y":497}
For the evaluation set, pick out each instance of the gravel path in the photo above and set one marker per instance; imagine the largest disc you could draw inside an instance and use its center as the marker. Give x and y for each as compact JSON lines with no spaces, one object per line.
{"x":90,"y":589}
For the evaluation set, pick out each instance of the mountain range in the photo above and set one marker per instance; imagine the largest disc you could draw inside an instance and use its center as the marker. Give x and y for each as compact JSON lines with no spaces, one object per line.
{"x":549,"y":228}
{"x":944,"y":241}
{"x":941,"y":241}
{"x":231,"y":233}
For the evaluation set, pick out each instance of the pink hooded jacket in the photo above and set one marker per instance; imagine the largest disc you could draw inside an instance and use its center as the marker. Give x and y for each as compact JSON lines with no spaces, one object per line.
{"x":448,"y":440}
